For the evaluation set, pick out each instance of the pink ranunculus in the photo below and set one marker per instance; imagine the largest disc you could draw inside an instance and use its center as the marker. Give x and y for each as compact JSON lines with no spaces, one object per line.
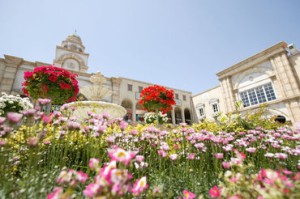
{"x":56,"y":193}
{"x":81,"y":176}
{"x":2,"y":120}
{"x":120,"y":155}
{"x":251,"y":150}
{"x":215,"y":192}
{"x":219,"y":155}
{"x":94,"y":163}
{"x":162,"y":153}
{"x":191,"y":156}
{"x":44,"y":101}
{"x":188,"y":195}
{"x":226,"y":165}
{"x":91,"y":190}
{"x":14,"y":117}
{"x":173,"y":156}
{"x":139,"y":186}
{"x":139,"y":158}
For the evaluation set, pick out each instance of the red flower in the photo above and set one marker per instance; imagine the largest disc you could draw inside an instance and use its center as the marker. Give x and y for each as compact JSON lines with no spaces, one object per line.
{"x":28,"y":74}
{"x":215,"y":192}
{"x":53,"y":78}
{"x":64,"y":86}
{"x":157,"y":98}
{"x":51,"y":82}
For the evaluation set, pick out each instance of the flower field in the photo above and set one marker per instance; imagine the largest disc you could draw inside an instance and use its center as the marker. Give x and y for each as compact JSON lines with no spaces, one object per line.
{"x":55,"y":156}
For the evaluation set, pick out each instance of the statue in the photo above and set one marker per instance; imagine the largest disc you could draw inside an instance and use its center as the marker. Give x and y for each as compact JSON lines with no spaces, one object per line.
{"x":97,"y":91}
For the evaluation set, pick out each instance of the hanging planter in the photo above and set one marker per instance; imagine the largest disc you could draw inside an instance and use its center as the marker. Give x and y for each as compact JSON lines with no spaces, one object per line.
{"x":51,"y":82}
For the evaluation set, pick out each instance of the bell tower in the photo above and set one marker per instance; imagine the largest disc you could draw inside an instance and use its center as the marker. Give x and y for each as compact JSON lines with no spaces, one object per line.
{"x":70,"y":54}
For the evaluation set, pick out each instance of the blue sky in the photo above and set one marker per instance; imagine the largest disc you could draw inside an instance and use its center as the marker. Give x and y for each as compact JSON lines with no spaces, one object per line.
{"x":177,"y":43}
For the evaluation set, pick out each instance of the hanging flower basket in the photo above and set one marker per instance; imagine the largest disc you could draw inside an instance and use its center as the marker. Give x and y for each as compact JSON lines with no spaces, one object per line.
{"x":51,"y":82}
{"x":157,"y":98}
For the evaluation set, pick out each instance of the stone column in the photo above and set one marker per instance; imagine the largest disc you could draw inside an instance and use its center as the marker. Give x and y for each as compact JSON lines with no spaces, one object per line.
{"x":182,"y":115}
{"x":286,"y":76}
{"x":116,"y":90}
{"x":9,"y":73}
{"x":173,"y":116}
{"x":133,"y":112}
{"x":229,"y":98}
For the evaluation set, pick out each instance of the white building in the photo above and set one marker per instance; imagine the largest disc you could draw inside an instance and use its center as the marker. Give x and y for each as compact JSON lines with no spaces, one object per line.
{"x":72,"y":56}
{"x":271,"y":77}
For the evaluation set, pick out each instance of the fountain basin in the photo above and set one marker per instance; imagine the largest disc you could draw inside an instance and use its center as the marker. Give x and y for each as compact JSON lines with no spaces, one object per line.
{"x":82,"y":108}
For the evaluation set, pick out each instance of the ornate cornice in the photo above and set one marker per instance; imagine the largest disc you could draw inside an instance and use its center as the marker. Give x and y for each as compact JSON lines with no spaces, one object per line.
{"x":253,"y":60}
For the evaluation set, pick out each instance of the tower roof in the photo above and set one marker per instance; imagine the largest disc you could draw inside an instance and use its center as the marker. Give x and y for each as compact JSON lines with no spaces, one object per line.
{"x":73,"y":42}
{"x":74,"y":38}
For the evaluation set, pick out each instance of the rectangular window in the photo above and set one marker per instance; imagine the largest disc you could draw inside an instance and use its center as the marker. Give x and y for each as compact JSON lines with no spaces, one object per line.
{"x":129,"y":87}
{"x":215,"y":108}
{"x":176,"y":96}
{"x":201,"y":112}
{"x":184,"y":97}
{"x":258,"y":95}
{"x":140,"y":89}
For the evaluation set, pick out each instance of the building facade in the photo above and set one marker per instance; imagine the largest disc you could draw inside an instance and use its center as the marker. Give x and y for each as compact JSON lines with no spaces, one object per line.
{"x":271,"y":77}
{"x":71,"y":55}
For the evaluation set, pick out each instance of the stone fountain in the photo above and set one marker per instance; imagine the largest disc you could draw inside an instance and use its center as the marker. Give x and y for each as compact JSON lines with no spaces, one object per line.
{"x":95,"y":93}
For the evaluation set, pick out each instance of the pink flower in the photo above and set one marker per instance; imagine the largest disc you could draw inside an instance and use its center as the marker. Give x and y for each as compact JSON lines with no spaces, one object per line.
{"x":251,"y":149}
{"x":121,"y":155}
{"x":219,"y":155}
{"x":215,"y":192}
{"x":94,"y":163}
{"x":14,"y":117}
{"x":101,"y":129}
{"x":173,"y":156}
{"x":119,"y":176}
{"x":191,"y":156}
{"x":2,"y":120}
{"x":188,"y":195}
{"x":44,"y":101}
{"x":162,"y":153}
{"x":56,"y":193}
{"x":81,"y":177}
{"x":2,"y":142}
{"x":139,"y":158}
{"x":281,"y":156}
{"x":46,"y":119}
{"x":91,"y":190}
{"x":123,"y":125}
{"x":226,"y":165}
{"x":106,"y":116}
{"x":73,"y":125}
{"x":139,"y":186}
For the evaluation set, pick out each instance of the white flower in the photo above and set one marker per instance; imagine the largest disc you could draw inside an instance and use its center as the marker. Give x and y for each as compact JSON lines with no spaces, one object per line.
{"x":12,"y":103}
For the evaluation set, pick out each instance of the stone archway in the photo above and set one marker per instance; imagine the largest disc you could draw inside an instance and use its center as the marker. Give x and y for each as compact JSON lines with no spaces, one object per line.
{"x":127,"y":104}
{"x":178,"y":116}
{"x":187,"y":116}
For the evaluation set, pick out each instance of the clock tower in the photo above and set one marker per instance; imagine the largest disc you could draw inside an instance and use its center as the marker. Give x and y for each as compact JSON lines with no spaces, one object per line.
{"x":70,"y":54}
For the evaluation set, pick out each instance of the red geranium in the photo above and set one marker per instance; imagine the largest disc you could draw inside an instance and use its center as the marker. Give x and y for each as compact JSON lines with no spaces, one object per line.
{"x":51,"y":82}
{"x":157,"y":98}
